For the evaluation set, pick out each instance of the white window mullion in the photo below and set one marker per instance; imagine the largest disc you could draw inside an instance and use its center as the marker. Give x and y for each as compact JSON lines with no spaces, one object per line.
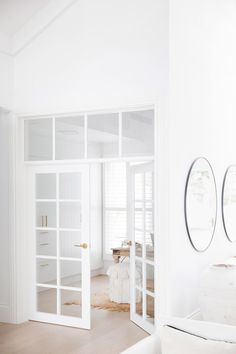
{"x":85,"y":136}
{"x":120,"y":134}
{"x":53,"y":138}
{"x":58,"y":248}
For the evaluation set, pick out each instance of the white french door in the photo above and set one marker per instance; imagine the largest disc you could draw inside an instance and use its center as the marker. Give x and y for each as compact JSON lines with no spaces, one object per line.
{"x":59,"y":245}
{"x":142,"y":250}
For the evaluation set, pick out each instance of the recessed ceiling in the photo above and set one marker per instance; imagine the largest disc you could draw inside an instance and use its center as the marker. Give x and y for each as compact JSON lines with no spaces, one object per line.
{"x":14,"y":14}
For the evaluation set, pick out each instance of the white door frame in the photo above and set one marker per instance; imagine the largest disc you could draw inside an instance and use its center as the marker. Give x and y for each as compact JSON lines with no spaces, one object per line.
{"x":19,"y":241}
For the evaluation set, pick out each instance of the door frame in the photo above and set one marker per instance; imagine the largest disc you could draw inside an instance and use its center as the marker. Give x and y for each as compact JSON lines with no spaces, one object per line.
{"x":19,"y":241}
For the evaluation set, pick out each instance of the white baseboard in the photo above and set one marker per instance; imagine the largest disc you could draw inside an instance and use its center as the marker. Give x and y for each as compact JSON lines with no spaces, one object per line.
{"x":195,"y":315}
{"x":5,"y":313}
{"x":96,"y":272}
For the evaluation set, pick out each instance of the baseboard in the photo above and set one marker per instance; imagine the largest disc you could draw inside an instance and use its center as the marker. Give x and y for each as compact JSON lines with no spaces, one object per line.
{"x":5,"y":313}
{"x":96,"y":272}
{"x":195,"y":315}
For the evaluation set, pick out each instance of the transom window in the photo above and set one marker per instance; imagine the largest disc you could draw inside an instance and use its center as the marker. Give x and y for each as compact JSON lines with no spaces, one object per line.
{"x":90,"y":136}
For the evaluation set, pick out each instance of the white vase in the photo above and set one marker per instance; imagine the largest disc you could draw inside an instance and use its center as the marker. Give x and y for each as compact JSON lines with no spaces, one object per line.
{"x":217,"y":298}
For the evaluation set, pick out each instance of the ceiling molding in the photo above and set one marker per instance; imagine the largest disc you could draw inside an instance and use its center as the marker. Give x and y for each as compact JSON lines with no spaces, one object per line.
{"x":38,"y":24}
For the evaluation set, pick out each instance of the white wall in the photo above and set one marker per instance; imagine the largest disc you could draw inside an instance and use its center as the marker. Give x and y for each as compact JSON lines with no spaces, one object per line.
{"x":203,"y":122}
{"x":97,"y":54}
{"x":6,"y":81}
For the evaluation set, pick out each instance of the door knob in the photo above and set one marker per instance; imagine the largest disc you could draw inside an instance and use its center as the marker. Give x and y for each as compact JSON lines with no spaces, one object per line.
{"x":82,"y":245}
{"x":129,"y":243}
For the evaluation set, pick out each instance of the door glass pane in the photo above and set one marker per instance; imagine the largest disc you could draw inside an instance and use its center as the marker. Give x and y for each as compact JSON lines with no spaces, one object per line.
{"x":47,"y":271}
{"x":139,"y":302}
{"x":149,"y":240}
{"x":46,"y":243}
{"x":38,"y":139}
{"x":150,"y":277}
{"x":138,"y":232}
{"x":46,"y":214}
{"x":46,"y":186}
{"x":46,"y":300}
{"x":70,"y":215}
{"x":138,"y":133}
{"x":148,"y":186}
{"x":138,"y":273}
{"x":69,"y":138}
{"x":71,"y":303}
{"x":148,"y":220}
{"x":69,"y":241}
{"x":70,"y":186}
{"x":71,"y":273}
{"x":138,"y":243}
{"x":103,"y":135}
{"x":150,"y":308}
{"x":138,"y":187}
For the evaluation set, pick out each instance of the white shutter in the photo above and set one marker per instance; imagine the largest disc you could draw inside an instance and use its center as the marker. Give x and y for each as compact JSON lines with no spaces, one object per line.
{"x":115,"y":205}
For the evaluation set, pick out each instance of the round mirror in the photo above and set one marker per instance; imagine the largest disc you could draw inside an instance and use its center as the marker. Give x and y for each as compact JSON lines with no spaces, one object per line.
{"x":229,"y":203}
{"x":200,"y":204}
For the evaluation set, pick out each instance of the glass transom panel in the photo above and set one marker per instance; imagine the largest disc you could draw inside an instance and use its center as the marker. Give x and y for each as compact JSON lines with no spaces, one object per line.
{"x":92,"y":136}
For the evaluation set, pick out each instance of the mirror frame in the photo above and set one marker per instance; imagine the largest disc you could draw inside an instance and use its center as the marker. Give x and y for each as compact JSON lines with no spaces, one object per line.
{"x":222,"y":203}
{"x":185,"y":204}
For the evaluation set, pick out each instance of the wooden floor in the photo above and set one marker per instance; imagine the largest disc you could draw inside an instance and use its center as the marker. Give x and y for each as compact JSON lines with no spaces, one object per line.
{"x":111,"y":333}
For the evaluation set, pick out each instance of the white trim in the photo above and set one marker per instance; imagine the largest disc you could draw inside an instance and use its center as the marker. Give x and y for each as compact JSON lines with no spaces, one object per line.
{"x":53,"y":138}
{"x":87,"y":161}
{"x":112,"y":108}
{"x":120,"y":134}
{"x":86,"y":136}
{"x":161,"y":211}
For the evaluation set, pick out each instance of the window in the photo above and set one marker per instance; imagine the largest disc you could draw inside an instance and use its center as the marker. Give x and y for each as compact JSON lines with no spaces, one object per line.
{"x":90,"y":136}
{"x":38,"y":139}
{"x":115,"y":205}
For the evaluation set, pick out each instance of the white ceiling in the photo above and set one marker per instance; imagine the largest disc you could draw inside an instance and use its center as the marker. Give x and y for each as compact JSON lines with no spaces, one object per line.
{"x":15,"y":13}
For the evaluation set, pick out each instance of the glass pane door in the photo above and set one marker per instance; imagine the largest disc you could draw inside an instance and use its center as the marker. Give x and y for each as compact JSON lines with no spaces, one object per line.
{"x":61,"y":289}
{"x":142,"y":250}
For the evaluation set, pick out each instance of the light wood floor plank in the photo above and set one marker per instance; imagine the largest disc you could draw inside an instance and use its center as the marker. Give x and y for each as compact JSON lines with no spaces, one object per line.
{"x":111,"y":333}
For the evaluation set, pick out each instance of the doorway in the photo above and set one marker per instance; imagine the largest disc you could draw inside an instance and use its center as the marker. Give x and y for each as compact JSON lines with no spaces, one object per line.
{"x":87,"y":221}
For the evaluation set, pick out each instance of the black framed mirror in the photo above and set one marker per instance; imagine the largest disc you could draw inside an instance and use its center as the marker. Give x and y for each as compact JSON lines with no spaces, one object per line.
{"x":228,"y":201}
{"x":200,"y":204}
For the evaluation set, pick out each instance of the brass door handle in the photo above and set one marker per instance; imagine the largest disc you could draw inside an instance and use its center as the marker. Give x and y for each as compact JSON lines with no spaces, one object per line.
{"x":82,"y":245}
{"x":129,"y":243}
